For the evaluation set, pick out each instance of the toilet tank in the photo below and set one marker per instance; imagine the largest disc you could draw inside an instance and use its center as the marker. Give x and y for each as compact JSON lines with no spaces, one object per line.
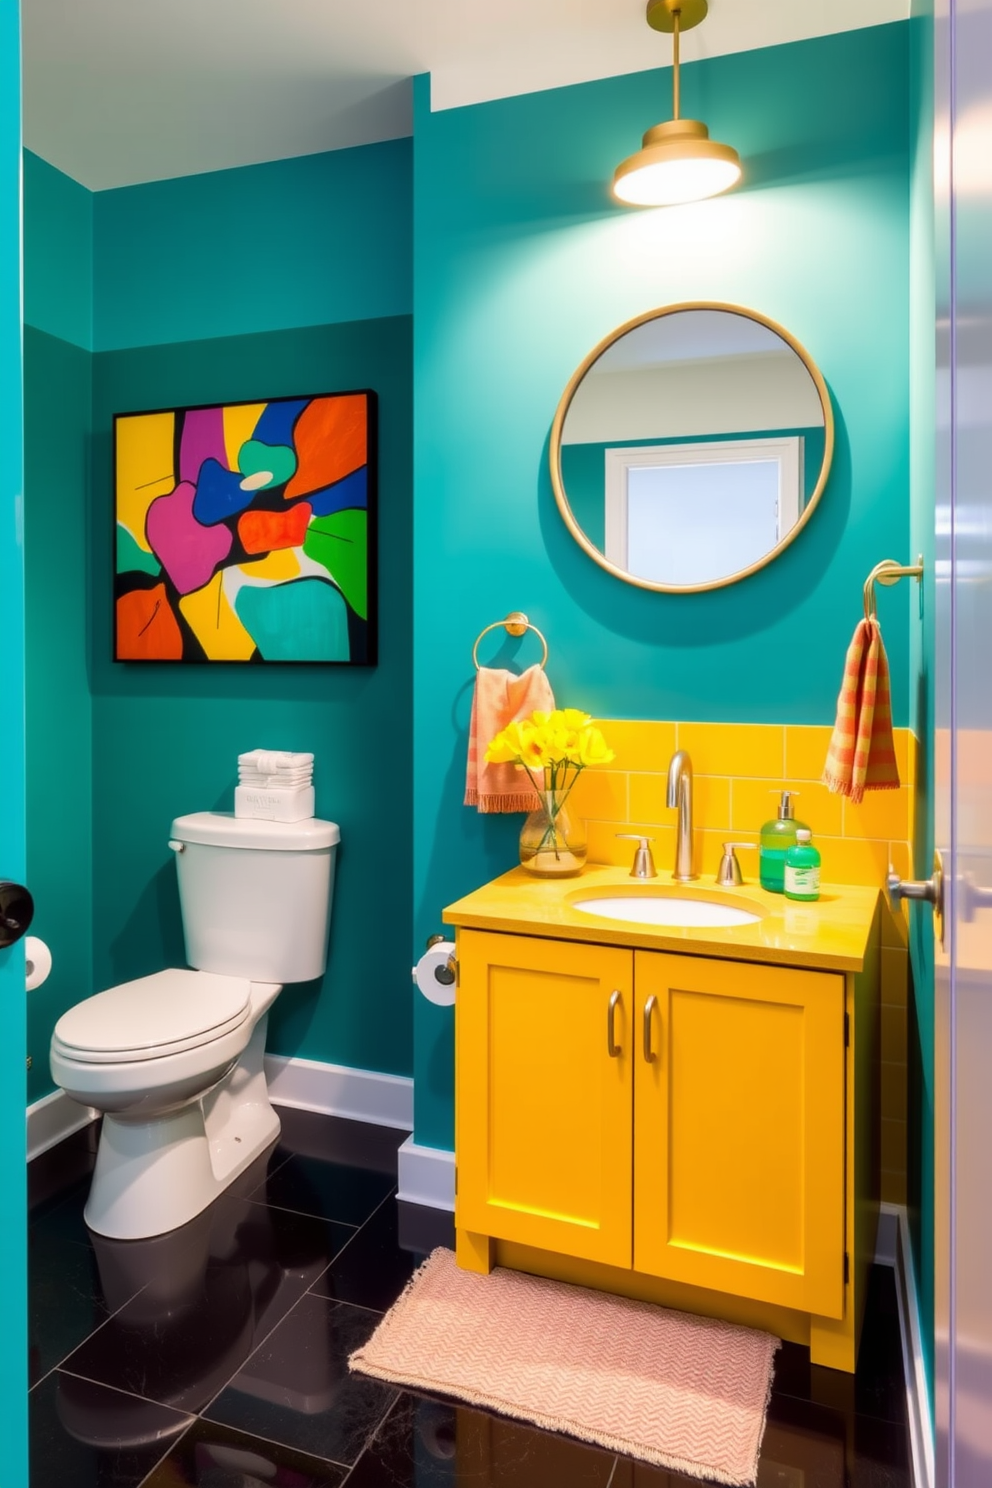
{"x":255,"y":895}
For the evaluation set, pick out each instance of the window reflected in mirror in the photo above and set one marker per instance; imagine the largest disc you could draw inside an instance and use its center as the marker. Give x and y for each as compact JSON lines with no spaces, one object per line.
{"x":691,"y":447}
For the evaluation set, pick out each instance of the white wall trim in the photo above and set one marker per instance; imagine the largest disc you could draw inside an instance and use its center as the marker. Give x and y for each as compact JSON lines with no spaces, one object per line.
{"x":53,"y":1118}
{"x":893,"y":1248}
{"x":426,"y":1176}
{"x":337,"y":1090}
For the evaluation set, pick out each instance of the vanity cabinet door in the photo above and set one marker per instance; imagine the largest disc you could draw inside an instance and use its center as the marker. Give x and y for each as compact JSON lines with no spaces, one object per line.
{"x":739,"y":1129}
{"x":544,"y":1108}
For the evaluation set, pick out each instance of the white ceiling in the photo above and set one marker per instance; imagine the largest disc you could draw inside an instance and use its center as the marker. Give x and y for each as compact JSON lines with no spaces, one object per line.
{"x":120,"y":91}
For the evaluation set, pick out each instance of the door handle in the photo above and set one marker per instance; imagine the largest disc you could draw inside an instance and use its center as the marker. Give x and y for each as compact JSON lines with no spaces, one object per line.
{"x":649,"y":1008}
{"x":611,"y":1025}
{"x":928,"y":890}
{"x":16,"y":913}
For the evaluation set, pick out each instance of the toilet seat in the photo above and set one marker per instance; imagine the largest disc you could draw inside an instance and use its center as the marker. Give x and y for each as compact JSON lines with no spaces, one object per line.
{"x":152,"y":1017}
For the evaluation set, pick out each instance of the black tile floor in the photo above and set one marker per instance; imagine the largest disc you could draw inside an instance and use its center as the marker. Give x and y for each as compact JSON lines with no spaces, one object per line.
{"x":217,"y":1355}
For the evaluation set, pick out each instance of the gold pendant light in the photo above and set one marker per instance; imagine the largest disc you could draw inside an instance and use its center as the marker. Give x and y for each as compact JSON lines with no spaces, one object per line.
{"x":678,"y":162}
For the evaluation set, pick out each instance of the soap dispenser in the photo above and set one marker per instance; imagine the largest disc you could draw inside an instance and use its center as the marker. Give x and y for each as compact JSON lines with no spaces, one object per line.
{"x":777,"y":836}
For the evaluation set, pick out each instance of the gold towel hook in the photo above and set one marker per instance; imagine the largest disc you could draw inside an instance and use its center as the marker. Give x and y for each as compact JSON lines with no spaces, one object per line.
{"x":888,"y":572}
{"x":515,"y":624}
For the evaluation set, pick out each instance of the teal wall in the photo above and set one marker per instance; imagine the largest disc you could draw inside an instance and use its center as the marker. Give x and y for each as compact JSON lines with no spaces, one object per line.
{"x":311,"y":241}
{"x":58,"y":253}
{"x":522,"y":264}
{"x":923,"y":405}
{"x":276,"y":279}
{"x":57,"y":395}
{"x":58,"y":264}
{"x":166,"y":738}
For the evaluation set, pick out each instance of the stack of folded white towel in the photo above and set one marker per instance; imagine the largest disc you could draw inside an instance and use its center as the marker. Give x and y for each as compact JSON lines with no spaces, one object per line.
{"x":274,"y":785}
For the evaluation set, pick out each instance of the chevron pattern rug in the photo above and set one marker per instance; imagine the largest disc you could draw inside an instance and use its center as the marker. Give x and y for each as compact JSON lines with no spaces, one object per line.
{"x":687,"y":1393}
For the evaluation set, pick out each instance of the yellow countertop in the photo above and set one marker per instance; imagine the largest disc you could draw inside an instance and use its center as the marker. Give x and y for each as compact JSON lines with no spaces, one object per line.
{"x":832,"y":933}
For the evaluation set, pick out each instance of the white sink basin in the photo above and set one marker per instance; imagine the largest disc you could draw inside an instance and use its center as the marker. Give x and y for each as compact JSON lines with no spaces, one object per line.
{"x":666,"y":909}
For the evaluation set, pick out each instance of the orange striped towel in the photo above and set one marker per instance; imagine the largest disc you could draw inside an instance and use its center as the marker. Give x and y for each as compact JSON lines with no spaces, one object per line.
{"x":500,"y":698}
{"x":862,"y":754}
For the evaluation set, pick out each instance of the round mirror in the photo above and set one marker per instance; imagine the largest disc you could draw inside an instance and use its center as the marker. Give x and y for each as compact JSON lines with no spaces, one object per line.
{"x":691,"y":447}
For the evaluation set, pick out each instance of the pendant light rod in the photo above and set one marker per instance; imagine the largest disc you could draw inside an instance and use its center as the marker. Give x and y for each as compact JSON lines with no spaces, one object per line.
{"x":675,"y":64}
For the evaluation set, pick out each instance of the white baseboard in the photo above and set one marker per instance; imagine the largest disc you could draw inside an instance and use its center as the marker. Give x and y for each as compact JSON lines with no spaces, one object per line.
{"x":52,"y":1119}
{"x":426,"y":1176}
{"x":894,"y":1249}
{"x":336,"y":1090}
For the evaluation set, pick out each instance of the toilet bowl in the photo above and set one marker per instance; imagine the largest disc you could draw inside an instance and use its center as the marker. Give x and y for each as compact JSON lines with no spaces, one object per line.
{"x":175,"y":1060}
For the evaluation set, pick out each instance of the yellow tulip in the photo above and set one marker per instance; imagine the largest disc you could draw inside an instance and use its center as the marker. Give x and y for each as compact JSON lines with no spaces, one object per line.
{"x":500,"y":751}
{"x":593,"y":748}
{"x":574,"y":718}
{"x":533,"y":751}
{"x":507,"y":745}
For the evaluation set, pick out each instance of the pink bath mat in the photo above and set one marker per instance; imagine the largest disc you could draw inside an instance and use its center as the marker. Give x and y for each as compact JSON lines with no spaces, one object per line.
{"x":683,"y":1392}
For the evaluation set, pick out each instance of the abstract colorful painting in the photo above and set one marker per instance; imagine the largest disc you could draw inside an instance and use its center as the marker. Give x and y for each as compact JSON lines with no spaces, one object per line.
{"x":245,"y":532}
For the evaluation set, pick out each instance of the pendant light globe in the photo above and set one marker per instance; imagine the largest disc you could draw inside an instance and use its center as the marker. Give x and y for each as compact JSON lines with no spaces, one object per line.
{"x":677,"y":163}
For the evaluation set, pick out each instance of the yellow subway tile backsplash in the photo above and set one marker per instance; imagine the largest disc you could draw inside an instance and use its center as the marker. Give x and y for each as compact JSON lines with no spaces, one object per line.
{"x":854,"y":861}
{"x":605,"y":847}
{"x":710,"y":793}
{"x":806,"y":748}
{"x":894,"y":1042}
{"x":737,"y":770}
{"x":737,"y":749}
{"x":753,"y":802}
{"x":895,"y":977}
{"x":639,"y":745}
{"x":895,"y":927}
{"x":600,"y":795}
{"x":886,"y":813}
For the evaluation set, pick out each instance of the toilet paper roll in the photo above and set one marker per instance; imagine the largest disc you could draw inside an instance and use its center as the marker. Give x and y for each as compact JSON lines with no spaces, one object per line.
{"x":433,"y":976}
{"x":37,"y":962}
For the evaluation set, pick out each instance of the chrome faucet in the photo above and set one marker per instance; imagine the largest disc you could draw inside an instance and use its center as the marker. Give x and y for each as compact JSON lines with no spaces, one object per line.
{"x":680,"y":798}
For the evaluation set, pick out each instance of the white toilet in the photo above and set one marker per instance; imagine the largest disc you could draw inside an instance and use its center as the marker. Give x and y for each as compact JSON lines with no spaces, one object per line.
{"x":174,"y":1060}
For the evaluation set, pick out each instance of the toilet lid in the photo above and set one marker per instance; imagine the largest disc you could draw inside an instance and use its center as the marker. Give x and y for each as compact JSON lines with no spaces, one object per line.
{"x":164,"y":1013}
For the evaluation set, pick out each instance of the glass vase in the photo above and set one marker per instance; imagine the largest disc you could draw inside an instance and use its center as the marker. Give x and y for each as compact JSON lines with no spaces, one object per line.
{"x":552,"y":843}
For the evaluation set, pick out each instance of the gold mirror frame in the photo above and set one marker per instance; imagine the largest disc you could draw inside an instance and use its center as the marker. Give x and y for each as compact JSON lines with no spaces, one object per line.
{"x":557,"y":426}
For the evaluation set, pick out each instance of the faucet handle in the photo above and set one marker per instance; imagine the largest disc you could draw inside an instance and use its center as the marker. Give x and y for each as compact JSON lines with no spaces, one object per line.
{"x":643,"y":860}
{"x":729,"y":875}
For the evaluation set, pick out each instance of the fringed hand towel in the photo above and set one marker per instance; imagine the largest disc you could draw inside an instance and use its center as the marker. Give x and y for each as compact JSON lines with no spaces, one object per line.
{"x":862,"y":754}
{"x":500,"y":698}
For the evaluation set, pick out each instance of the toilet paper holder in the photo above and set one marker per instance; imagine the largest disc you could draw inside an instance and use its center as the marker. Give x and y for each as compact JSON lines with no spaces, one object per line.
{"x":447,"y":974}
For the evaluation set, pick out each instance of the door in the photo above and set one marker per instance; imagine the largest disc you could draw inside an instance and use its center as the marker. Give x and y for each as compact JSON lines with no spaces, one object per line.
{"x":13,"y":1328}
{"x":963,"y":1001}
{"x":739,"y":1129}
{"x":543,"y":1051}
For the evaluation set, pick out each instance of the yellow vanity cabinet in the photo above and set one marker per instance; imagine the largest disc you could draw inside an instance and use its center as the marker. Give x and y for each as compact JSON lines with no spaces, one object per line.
{"x":684,"y":1116}
{"x":680,"y":1115}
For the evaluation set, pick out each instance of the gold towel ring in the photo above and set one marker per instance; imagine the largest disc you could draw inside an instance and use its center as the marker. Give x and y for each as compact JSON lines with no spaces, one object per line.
{"x":515,"y":624}
{"x":888,"y":572}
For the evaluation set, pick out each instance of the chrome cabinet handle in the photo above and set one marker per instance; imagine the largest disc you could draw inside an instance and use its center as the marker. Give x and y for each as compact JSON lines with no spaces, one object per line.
{"x":611,"y":1025}
{"x":649,"y":1008}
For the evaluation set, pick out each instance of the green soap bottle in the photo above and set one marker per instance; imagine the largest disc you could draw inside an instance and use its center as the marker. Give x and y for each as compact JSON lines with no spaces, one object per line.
{"x":802,"y":868}
{"x":777,"y":836}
